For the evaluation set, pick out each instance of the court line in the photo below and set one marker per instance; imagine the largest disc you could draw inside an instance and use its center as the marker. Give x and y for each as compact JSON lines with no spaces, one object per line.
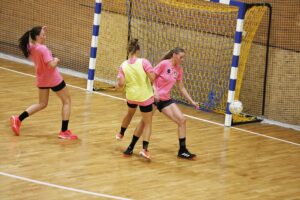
{"x":247,"y":131}
{"x":189,"y":116}
{"x":62,"y":187}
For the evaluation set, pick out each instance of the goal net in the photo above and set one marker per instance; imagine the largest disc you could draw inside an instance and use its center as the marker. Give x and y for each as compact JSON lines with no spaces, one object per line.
{"x":206,"y":31}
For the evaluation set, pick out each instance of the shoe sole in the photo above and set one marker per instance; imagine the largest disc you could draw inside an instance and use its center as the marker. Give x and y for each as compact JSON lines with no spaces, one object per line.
{"x":184,"y":158}
{"x":126,"y":155}
{"x":144,"y":156}
{"x":67,"y":138}
{"x":12,"y":126}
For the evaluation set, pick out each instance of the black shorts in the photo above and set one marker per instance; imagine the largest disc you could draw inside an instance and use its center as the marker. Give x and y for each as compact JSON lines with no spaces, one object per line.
{"x":162,"y":104}
{"x":57,"y":88}
{"x":145,"y":109}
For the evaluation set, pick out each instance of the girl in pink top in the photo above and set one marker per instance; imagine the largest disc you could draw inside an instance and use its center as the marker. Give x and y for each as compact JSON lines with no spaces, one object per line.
{"x":47,"y":77}
{"x":168,"y":73}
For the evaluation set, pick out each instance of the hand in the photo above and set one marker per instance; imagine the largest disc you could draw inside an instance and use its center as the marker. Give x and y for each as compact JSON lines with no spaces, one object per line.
{"x":45,"y":28}
{"x":156,"y":97}
{"x":196,"y":105}
{"x":56,"y":60}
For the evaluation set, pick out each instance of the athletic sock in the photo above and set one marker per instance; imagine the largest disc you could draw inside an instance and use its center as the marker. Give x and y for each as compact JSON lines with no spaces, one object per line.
{"x":64,"y":125}
{"x":133,"y":141}
{"x":145,"y":145}
{"x":23,"y":116}
{"x":122,"y":131}
{"x":182,"y":145}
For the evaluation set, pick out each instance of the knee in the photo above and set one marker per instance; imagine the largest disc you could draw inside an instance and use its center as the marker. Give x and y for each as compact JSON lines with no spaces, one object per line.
{"x":43,"y":105}
{"x":182,"y":121}
{"x":67,"y":101}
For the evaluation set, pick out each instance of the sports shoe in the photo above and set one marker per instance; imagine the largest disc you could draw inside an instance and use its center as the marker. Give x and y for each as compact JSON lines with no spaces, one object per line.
{"x":15,"y":124}
{"x":186,"y":155}
{"x":128,"y":152}
{"x":119,"y":136}
{"x":145,"y":154}
{"x":67,"y":135}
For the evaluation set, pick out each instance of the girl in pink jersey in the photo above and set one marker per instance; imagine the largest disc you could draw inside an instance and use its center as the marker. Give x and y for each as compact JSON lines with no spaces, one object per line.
{"x":47,"y":77}
{"x":136,"y":75}
{"x":168,"y":72}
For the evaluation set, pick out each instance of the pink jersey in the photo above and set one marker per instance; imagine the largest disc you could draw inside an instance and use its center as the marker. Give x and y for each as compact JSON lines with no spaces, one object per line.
{"x":166,"y":77}
{"x":46,"y":76}
{"x":147,"y":68}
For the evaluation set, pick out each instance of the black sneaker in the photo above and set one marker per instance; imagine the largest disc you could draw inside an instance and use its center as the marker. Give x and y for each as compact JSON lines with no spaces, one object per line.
{"x":128,"y":152}
{"x":186,"y":155}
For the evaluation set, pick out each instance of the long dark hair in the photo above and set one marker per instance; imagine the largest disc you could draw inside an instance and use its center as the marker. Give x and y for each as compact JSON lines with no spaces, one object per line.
{"x":133,"y":46}
{"x":24,"y":40}
{"x":170,"y":53}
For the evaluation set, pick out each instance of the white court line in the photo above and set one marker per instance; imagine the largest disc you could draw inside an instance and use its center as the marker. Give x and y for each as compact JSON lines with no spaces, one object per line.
{"x":61,"y":187}
{"x":192,"y":117}
{"x":73,"y":86}
{"x":243,"y":130}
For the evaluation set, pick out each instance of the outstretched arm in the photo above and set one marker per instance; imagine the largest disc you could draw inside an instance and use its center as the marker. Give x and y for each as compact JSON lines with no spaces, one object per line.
{"x":185,"y":93}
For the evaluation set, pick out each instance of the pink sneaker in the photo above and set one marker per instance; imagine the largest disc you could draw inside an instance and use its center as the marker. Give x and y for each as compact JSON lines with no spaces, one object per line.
{"x":145,"y":154}
{"x":15,"y":124}
{"x":67,"y":135}
{"x":119,"y":136}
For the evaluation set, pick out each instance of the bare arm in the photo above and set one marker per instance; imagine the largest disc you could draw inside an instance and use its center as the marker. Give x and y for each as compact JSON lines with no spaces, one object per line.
{"x":120,"y":82}
{"x":156,"y":95}
{"x":151,"y":76}
{"x":185,"y":93}
{"x":53,"y":63}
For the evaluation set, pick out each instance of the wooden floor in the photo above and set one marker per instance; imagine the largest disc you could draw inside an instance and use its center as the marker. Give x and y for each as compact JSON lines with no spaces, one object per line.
{"x":254,"y":161}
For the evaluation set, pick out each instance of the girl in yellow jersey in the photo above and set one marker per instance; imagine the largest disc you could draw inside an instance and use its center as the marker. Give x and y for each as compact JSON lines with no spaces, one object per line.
{"x":136,"y":75}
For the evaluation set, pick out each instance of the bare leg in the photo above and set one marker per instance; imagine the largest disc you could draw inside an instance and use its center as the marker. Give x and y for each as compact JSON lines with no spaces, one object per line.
{"x":146,"y":124}
{"x":65,"y":114}
{"x":125,"y":123}
{"x":43,"y":102}
{"x":140,"y":127}
{"x":66,"y":101}
{"x":128,"y":117}
{"x":174,"y":113}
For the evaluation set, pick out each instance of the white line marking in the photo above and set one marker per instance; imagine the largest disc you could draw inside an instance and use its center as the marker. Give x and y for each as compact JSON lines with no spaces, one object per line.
{"x":61,"y":187}
{"x":243,"y":130}
{"x":73,"y":86}
{"x":192,"y":117}
{"x":266,"y":136}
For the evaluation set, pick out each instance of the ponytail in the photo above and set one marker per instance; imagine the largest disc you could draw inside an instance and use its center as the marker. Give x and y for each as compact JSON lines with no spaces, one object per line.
{"x":133,"y":46}
{"x":170,"y":53}
{"x":24,"y":40}
{"x":24,"y":44}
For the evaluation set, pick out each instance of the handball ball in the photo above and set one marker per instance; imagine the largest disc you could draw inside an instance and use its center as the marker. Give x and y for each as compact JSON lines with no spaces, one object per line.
{"x":236,"y":107}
